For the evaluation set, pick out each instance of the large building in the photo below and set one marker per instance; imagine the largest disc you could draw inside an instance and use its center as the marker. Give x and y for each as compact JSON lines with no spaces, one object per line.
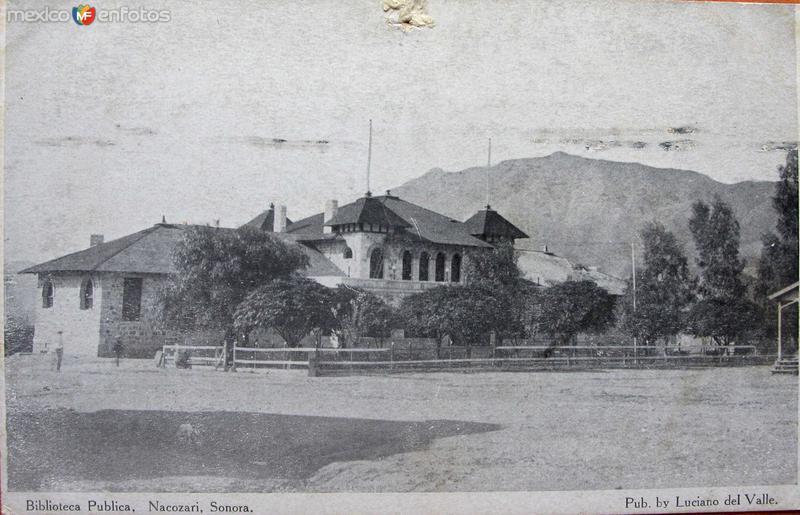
{"x":383,"y":244}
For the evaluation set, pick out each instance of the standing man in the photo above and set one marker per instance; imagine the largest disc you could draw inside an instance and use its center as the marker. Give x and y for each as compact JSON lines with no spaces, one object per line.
{"x":59,"y":351}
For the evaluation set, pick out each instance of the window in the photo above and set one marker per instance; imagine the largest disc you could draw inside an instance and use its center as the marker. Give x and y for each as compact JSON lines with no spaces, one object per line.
{"x":376,"y":264}
{"x":87,"y":294}
{"x":439,"y":267}
{"x":406,"y":266}
{"x":455,"y":268}
{"x":348,"y":253}
{"x":131,"y":299}
{"x":423,"y":266}
{"x":47,"y":294}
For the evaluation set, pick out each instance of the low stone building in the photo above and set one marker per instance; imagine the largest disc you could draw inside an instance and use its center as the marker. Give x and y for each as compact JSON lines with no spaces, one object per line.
{"x":93,"y":297}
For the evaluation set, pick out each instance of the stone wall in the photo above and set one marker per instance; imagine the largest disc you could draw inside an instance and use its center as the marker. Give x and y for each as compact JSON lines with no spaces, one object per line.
{"x":142,"y":338}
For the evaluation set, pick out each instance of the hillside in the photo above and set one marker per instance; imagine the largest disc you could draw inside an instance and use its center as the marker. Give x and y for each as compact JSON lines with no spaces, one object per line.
{"x":588,"y":210}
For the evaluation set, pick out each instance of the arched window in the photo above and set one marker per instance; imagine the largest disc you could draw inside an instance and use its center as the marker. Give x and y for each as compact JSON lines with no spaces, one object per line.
{"x":423,"y":266}
{"x":376,"y":264}
{"x":455,"y":268}
{"x":87,"y":294}
{"x":348,"y":253}
{"x":47,"y":294}
{"x":407,"y":266}
{"x":439,"y":267}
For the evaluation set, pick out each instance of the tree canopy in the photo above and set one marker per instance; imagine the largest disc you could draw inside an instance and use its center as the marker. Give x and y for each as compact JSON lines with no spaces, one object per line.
{"x":497,"y":267}
{"x":723,"y":303}
{"x":574,"y":307}
{"x":216,"y":270}
{"x":293,"y":306}
{"x":360,"y":313}
{"x":715,"y":230}
{"x":778,"y":266}
{"x":497,"y":271}
{"x":465,"y":313}
{"x":664,"y":288}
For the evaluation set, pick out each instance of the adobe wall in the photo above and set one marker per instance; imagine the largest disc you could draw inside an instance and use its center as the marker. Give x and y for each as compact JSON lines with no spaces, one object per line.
{"x":79,"y":327}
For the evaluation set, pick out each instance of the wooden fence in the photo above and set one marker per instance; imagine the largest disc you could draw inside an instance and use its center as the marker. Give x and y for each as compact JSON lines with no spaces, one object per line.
{"x":331,"y":361}
{"x":199,"y":355}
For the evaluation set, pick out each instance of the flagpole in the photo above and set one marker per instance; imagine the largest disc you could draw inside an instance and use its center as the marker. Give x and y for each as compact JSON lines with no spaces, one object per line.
{"x":488,"y":166}
{"x":369,"y":157}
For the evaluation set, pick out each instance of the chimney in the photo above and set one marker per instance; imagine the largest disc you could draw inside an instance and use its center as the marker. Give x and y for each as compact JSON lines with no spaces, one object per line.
{"x":331,"y":208}
{"x":545,"y":249}
{"x":95,"y":240}
{"x":279,"y":220}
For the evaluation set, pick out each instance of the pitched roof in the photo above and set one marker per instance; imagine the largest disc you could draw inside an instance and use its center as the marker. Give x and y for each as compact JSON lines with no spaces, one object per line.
{"x":417,"y":221}
{"x":368,"y":210}
{"x":489,"y":222}
{"x":432,"y":226}
{"x":310,"y":227}
{"x":150,"y":252}
{"x":265,"y":220}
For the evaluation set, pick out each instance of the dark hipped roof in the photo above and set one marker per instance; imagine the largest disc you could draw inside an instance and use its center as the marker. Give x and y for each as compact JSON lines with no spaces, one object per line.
{"x":390,"y":210}
{"x":150,"y":252}
{"x":489,"y":222}
{"x":367,"y":210}
{"x":265,"y":220}
{"x":310,"y":227}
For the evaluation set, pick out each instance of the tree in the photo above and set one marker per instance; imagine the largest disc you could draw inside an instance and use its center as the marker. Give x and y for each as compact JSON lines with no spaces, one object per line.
{"x":465,"y":313}
{"x":494,"y":267}
{"x":497,"y":270}
{"x":293,"y":306}
{"x":216,"y":270}
{"x":664,"y":288}
{"x":778,"y":266}
{"x":574,"y":307}
{"x":723,"y":304}
{"x":360,"y":313}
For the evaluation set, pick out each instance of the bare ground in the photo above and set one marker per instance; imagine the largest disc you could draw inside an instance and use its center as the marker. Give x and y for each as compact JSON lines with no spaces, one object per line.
{"x":98,"y":427}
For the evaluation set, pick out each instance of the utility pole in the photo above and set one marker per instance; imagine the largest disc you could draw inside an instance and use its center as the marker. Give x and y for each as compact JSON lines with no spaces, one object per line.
{"x":633,"y":274}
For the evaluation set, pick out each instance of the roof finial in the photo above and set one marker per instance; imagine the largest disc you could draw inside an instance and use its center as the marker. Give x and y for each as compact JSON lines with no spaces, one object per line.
{"x":369,"y":157}
{"x":488,"y":165}
{"x":272,"y":205}
{"x":163,"y":219}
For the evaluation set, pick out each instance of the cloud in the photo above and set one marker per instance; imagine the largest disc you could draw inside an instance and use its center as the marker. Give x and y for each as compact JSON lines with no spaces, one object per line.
{"x":784,"y":146}
{"x":684,"y":144}
{"x":73,"y":141}
{"x":597,"y":145}
{"x":262,"y":142}
{"x":138,"y":131}
{"x":685,"y":129}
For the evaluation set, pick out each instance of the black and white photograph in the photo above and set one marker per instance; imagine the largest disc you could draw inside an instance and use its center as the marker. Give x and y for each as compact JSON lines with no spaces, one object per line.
{"x":400,"y":256}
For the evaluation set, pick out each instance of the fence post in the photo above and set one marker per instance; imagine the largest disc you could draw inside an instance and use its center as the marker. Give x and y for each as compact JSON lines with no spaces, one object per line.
{"x":391,"y":356}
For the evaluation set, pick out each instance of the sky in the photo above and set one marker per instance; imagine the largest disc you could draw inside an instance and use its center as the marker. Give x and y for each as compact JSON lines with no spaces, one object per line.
{"x":230,"y":106}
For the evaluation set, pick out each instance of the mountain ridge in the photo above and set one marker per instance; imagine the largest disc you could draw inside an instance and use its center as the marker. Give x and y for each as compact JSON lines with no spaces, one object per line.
{"x":589,"y":210}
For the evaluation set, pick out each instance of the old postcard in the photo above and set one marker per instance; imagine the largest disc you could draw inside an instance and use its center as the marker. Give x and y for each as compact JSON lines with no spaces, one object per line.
{"x":400,"y":256}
